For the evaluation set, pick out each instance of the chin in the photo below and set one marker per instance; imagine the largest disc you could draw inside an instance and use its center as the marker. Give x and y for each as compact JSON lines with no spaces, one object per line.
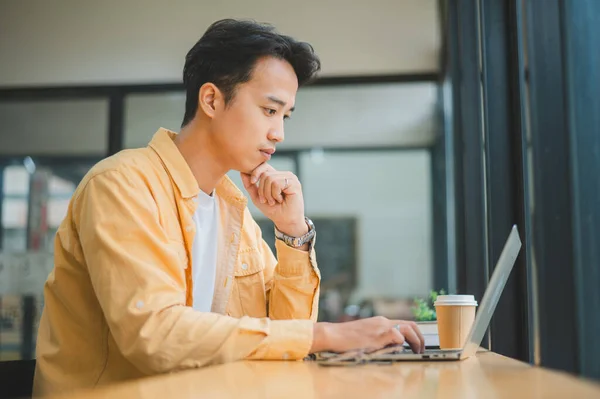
{"x":248,"y":162}
{"x":246,"y":168}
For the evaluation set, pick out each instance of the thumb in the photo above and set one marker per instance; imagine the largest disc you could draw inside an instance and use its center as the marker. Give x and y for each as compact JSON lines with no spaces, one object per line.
{"x":251,"y":188}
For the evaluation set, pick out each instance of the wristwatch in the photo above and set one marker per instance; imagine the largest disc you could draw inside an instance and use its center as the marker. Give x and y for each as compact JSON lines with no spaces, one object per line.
{"x":297,"y":242}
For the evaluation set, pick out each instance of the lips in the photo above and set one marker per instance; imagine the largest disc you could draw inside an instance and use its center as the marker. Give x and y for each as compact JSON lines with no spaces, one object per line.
{"x":266,"y":154}
{"x":269,"y":151}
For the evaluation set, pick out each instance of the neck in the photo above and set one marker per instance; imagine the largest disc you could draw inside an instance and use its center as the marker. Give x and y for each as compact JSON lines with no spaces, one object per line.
{"x":199,"y":151}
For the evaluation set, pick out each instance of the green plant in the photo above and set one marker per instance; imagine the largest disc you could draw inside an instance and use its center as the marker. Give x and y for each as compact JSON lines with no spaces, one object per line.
{"x":423,"y":309}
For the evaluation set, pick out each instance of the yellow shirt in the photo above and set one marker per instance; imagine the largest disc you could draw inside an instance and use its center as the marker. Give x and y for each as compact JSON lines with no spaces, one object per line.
{"x":118,"y":301}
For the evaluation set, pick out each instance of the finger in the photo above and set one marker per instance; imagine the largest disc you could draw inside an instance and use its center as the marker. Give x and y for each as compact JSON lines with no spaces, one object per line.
{"x":420,"y":334}
{"x":250,"y":188}
{"x":394,"y":337}
{"x":416,"y":329}
{"x":292,"y":183}
{"x":277,"y":188}
{"x":287,"y":183}
{"x":274,"y":188}
{"x":257,"y":173}
{"x":260,"y":190}
{"x":411,"y":337}
{"x":263,"y":182}
{"x":266,"y":183}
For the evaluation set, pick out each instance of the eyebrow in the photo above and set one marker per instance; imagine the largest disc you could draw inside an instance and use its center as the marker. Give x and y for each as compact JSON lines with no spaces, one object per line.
{"x":280,"y":102}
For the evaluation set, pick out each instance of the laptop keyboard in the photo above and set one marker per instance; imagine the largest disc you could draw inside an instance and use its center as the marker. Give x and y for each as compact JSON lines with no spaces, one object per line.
{"x":428,"y":351}
{"x":438,"y":351}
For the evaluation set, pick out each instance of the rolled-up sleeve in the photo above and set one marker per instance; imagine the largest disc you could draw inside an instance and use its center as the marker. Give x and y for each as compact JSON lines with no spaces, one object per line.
{"x":139,"y":282}
{"x":293,"y":281}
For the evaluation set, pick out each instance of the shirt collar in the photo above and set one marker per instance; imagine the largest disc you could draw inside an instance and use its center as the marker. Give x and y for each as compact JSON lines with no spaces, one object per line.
{"x":162,"y":143}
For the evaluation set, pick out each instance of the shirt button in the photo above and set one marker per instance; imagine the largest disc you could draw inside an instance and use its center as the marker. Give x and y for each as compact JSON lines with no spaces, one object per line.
{"x":285,"y":356}
{"x":139,"y":304}
{"x":245,"y":266}
{"x":189,"y":228}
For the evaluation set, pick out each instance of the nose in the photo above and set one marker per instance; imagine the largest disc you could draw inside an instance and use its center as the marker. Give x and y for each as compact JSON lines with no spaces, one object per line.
{"x":276,"y":134}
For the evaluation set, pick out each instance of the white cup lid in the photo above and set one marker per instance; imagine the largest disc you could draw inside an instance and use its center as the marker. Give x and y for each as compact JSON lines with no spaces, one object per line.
{"x":455,"y":300}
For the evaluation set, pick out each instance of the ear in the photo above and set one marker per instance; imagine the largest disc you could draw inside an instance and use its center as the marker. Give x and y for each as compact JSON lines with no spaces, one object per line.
{"x":210,"y":99}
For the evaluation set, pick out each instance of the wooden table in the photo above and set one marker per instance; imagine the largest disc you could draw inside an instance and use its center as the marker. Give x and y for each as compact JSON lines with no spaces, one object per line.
{"x":487,"y":375}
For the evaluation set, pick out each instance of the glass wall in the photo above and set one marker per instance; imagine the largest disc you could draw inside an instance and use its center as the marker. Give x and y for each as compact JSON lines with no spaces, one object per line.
{"x":58,"y":127}
{"x":35,"y":200}
{"x":385,"y":199}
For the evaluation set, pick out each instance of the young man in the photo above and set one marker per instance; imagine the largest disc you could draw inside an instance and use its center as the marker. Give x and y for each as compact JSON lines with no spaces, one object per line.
{"x":159,"y":265}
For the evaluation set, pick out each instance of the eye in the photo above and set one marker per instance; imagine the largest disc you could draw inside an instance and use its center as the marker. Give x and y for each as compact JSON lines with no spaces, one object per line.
{"x":286,"y":117}
{"x":270,"y":111}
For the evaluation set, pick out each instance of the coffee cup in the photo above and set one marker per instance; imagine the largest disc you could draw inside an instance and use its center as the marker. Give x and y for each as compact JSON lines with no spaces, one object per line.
{"x":455,"y":316}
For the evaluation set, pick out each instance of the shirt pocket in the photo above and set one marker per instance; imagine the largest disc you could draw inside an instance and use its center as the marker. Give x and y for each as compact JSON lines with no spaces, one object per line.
{"x":181,"y":255}
{"x":176,"y":262}
{"x":250,"y":284}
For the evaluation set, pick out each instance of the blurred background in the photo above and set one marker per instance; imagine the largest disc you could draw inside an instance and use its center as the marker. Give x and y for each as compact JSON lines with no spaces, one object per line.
{"x":440,"y":124}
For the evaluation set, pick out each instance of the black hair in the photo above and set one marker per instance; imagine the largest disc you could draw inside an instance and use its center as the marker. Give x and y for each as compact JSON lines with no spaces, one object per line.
{"x":227,"y":53}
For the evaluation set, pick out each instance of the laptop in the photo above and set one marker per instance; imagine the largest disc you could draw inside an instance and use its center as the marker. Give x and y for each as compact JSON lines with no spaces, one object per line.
{"x":482,"y":321}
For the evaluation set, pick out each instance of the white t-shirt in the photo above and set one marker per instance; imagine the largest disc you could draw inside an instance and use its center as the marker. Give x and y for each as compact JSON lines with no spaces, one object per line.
{"x":204,"y":251}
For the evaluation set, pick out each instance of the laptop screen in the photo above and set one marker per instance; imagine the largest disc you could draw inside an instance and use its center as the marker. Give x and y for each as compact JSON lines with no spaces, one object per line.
{"x":492,"y":293}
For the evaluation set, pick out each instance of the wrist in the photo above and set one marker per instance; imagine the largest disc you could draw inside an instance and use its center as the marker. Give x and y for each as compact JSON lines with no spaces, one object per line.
{"x":294,"y":229}
{"x":320,"y":337}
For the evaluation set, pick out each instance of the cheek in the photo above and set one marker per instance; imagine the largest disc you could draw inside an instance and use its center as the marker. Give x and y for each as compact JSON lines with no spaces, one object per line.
{"x":229,"y":129}
{"x":240,"y":134}
{"x":249,"y":128}
{"x":242,"y":117}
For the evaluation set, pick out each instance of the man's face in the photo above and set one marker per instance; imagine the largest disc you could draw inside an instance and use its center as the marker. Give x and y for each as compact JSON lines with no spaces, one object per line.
{"x":248,"y":129}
